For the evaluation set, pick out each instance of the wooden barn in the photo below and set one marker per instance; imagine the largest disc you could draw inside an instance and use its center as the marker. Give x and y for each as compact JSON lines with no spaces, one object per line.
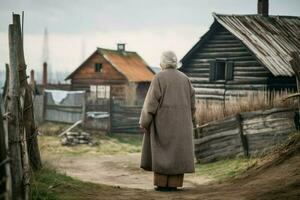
{"x":113,"y":73}
{"x":243,"y":53}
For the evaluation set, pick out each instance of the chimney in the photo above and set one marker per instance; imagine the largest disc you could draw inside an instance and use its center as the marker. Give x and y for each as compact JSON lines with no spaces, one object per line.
{"x":32,"y":76}
{"x":45,"y":74}
{"x":121,"y":46}
{"x":263,"y":7}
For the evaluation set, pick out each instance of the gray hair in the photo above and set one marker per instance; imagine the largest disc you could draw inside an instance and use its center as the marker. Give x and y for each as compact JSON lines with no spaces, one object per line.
{"x":168,"y":59}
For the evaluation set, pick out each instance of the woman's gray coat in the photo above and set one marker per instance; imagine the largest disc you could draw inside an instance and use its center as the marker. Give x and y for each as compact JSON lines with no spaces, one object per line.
{"x":167,"y":113}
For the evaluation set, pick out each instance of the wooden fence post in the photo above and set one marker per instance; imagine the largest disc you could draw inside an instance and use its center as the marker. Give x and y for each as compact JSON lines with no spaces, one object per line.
{"x":24,"y":119}
{"x":13,"y":126}
{"x":5,"y":183}
{"x":110,"y":111}
{"x":244,"y":140}
{"x":28,"y":122}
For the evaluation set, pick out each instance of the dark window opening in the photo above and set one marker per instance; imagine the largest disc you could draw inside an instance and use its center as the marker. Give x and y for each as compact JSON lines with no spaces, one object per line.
{"x":220,"y":71}
{"x":98,"y":67}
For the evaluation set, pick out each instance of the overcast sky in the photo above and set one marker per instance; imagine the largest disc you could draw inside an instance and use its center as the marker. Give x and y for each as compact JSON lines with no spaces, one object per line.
{"x":77,"y":27}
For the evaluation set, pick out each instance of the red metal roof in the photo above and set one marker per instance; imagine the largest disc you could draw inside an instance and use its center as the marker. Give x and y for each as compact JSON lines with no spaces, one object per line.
{"x":130,"y":64}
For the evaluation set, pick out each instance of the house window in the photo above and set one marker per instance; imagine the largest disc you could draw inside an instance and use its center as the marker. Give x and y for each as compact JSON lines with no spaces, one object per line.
{"x":98,"y":67}
{"x":221,"y":70}
{"x":100,"y":91}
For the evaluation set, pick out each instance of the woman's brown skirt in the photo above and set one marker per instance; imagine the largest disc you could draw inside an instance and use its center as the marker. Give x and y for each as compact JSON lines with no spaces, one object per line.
{"x":162,"y":180}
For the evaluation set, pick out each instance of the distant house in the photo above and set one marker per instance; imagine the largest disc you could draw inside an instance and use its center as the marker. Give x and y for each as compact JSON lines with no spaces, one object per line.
{"x":113,"y":73}
{"x":243,"y":53}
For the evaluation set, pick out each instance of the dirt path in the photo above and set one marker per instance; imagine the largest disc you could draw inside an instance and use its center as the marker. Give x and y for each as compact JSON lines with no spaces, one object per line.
{"x":115,"y":170}
{"x":277,"y":181}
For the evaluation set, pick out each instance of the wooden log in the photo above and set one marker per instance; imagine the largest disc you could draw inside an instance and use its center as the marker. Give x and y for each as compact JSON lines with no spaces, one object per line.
{"x":226,"y":54}
{"x":218,"y":143}
{"x":231,"y":149}
{"x":70,"y":128}
{"x":224,"y":49}
{"x":252,"y":73}
{"x":5,"y":183}
{"x":250,"y":68}
{"x":233,"y":41}
{"x":13,"y":126}
{"x":217,"y":135}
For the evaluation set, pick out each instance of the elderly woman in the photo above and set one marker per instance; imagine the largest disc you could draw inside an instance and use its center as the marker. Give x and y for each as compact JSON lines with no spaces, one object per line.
{"x":167,"y":118}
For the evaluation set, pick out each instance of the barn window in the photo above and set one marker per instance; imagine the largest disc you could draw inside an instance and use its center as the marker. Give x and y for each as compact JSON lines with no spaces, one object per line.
{"x":98,"y":67}
{"x":221,"y":70}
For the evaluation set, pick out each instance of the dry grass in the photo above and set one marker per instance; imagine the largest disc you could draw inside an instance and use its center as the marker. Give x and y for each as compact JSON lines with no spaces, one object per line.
{"x":107,"y":145}
{"x":214,"y":110}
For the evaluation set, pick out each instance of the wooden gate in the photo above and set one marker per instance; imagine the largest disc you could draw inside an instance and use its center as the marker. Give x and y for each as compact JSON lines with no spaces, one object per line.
{"x":97,"y":113}
{"x":125,"y":118}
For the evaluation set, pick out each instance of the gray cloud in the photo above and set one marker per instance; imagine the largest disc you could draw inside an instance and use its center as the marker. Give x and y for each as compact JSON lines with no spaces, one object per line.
{"x":148,"y":26}
{"x":66,"y":16}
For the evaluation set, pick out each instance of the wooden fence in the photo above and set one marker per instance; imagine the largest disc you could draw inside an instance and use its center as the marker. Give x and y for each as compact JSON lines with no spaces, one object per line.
{"x":110,"y":115}
{"x":97,"y":114}
{"x":125,"y":118}
{"x":38,"y":104}
{"x":249,"y":133}
{"x":69,"y":110}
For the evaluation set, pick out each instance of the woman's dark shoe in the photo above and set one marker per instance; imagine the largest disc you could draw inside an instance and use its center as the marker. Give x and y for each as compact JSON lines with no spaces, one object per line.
{"x":165,"y":189}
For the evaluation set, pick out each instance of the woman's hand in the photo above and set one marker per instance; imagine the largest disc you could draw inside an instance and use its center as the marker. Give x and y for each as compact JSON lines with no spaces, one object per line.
{"x":144,"y":129}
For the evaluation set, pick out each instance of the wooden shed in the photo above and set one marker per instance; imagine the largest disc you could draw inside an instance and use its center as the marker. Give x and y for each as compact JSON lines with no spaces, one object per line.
{"x":243,"y":53}
{"x":113,"y":73}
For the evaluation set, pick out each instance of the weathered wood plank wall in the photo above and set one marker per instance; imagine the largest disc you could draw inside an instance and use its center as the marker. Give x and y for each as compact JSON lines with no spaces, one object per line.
{"x":125,"y":118}
{"x":248,"y":74}
{"x":70,"y":110}
{"x":38,"y":104}
{"x":249,"y":133}
{"x":97,"y":114}
{"x":264,"y":129}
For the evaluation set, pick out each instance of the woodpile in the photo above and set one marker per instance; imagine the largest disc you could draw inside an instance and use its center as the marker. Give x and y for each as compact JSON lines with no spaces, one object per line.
{"x":249,"y":133}
{"x":76,"y":138}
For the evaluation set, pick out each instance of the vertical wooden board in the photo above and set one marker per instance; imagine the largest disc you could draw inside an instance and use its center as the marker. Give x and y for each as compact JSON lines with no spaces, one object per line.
{"x":212,"y":71}
{"x":229,"y":70}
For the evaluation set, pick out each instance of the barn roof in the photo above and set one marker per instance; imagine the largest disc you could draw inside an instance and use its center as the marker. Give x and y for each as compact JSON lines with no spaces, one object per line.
{"x":128,"y":63}
{"x":272,"y":39}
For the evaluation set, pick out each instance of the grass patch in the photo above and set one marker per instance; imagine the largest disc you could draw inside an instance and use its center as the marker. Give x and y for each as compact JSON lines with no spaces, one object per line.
{"x":107,"y":145}
{"x":52,"y":128}
{"x":51,"y":185}
{"x":224,"y":169}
